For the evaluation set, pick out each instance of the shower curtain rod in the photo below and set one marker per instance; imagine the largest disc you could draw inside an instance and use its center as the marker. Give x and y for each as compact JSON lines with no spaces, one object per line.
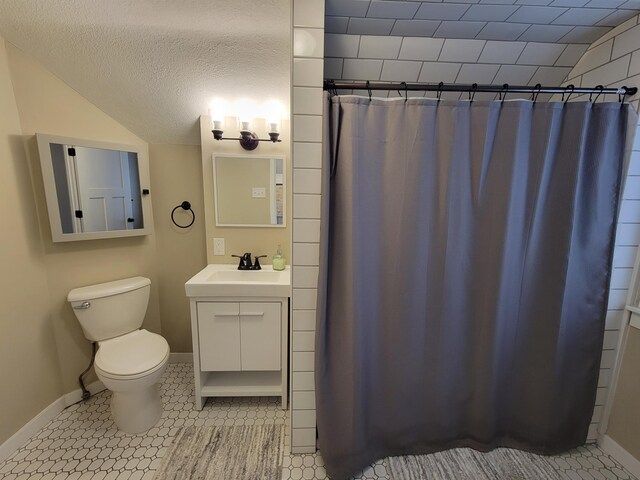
{"x":332,"y":85}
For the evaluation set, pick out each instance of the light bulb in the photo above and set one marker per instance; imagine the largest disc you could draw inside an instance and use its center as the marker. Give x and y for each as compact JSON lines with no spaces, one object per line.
{"x":217,"y":111}
{"x":245,"y":109}
{"x":273,"y":115}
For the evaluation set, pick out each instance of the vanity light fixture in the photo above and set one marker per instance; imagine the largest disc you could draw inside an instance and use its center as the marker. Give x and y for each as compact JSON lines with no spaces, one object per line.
{"x":244,"y":112}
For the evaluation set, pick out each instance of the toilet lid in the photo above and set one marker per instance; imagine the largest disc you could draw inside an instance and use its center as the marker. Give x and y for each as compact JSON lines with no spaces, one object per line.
{"x":131,"y":354}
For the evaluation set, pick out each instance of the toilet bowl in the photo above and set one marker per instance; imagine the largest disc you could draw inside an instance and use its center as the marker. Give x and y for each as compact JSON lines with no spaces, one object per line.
{"x":129,"y":361}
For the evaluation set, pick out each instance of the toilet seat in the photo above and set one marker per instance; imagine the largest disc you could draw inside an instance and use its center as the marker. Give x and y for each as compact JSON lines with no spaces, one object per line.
{"x":131,"y":356}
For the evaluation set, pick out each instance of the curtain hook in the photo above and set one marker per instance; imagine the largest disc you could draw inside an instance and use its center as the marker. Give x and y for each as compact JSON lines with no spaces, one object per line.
{"x":406,"y":92}
{"x":623,"y":96}
{"x":571,"y":87}
{"x":534,"y":94}
{"x":369,"y":89}
{"x":439,"y":93}
{"x":472,"y":92}
{"x":599,"y":87}
{"x":503,"y":93}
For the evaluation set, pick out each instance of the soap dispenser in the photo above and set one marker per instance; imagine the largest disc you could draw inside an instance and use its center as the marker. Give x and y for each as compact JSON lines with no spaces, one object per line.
{"x":279,"y":261}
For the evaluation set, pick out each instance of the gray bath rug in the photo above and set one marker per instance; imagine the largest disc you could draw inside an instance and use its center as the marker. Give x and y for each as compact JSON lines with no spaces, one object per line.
{"x":223,"y":453}
{"x":468,"y":464}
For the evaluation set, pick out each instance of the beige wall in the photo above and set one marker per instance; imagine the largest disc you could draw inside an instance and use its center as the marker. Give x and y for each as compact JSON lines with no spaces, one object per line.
{"x":624,"y":423}
{"x":258,"y":241}
{"x":176,"y":175}
{"x":47,"y":105}
{"x":29,"y":370}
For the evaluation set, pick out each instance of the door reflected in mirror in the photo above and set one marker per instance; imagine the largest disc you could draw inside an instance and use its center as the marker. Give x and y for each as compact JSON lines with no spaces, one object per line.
{"x":93,"y":191}
{"x":249,"y":191}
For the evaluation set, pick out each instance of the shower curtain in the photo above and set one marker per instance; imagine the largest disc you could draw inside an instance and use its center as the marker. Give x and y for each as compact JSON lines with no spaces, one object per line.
{"x":465,"y":263}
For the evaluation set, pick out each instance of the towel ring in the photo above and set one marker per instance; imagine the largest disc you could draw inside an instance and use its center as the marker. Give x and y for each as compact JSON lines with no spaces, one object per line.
{"x":185,"y":206}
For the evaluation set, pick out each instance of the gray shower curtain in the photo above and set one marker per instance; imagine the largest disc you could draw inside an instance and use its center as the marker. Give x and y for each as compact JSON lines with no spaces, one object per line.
{"x":465,"y":263}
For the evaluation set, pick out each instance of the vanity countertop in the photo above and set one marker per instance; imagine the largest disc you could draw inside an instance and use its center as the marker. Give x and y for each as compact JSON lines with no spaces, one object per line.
{"x":225,"y":280}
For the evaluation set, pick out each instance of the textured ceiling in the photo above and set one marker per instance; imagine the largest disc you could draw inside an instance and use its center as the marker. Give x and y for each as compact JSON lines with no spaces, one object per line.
{"x":154,"y":65}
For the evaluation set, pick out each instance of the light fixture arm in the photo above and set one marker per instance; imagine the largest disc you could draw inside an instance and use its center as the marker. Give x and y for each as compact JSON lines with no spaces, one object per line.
{"x":248,"y":140}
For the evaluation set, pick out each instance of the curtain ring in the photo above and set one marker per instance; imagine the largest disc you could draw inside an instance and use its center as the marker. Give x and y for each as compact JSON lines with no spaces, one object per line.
{"x":599,"y":87}
{"x":534,"y":94}
{"x":623,"y":96}
{"x":571,"y":87}
{"x":185,"y":206}
{"x":369,"y":89}
{"x":472,"y":92}
{"x":503,"y":92}
{"x":439,"y":92}
{"x":406,"y":92}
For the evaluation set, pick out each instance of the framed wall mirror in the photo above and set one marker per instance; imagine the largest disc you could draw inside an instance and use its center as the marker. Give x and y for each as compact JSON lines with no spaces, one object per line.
{"x":94,"y":190}
{"x":249,"y":190}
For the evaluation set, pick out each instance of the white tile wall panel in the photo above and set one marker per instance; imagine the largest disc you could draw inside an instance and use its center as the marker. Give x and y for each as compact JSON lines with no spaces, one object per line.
{"x":584,"y":34}
{"x":502,"y":31}
{"x":346,"y":8}
{"x":626,"y":42}
{"x":630,"y":211}
{"x":614,"y":319}
{"x":303,"y":341}
{"x":632,"y":188}
{"x":540,"y":54}
{"x":343,"y":46}
{"x":421,"y":48}
{"x":550,"y":75}
{"x":307,"y":155}
{"x":306,"y":254}
{"x":604,"y":3}
{"x":361,"y":69}
{"x":605,"y":377}
{"x":307,"y":180}
{"x":308,"y":101}
{"x":617,"y":299}
{"x":620,"y":277}
{"x":304,"y":418}
{"x":307,"y":128}
{"x":415,"y":28}
{"x":306,"y":230}
{"x":477,"y":73}
{"x":307,"y":72}
{"x":601,"y":396}
{"x":304,"y":400}
{"x":571,"y":55}
{"x":634,"y":163}
{"x":395,"y":9}
{"x":305,"y":298}
{"x":461,"y":51}
{"x":545,"y":33}
{"x":400,"y":70}
{"x":308,"y":13}
{"x":624,"y":257}
{"x":489,"y":13}
{"x":608,"y":359}
{"x":372,"y":46}
{"x":459,"y":29}
{"x":332,"y":68}
{"x":597,"y":414}
{"x":336,"y":24}
{"x":514,"y":74}
{"x":617,"y":17}
{"x":306,"y":206}
{"x":370,"y":26}
{"x":594,"y":58}
{"x":634,"y":66}
{"x":568,"y":3}
{"x":613,"y":33}
{"x":442,"y":11}
{"x":436,"y":72}
{"x":303,"y":381}
{"x":303,"y":437}
{"x":501,"y":52}
{"x":303,"y":361}
{"x":308,"y":42}
{"x":304,"y":320}
{"x":307,"y":277}
{"x":628,"y":234}
{"x":583,"y":16}
{"x":611,"y":339}
{"x":540,"y":15}
{"x":612,"y":72}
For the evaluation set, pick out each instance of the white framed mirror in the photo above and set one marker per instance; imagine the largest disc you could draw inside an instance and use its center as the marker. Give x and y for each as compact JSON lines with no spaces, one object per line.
{"x":95,"y":190}
{"x":249,"y":190}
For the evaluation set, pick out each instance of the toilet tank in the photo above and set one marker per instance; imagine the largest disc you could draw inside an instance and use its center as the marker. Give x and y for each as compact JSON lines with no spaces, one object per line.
{"x":111,"y":309}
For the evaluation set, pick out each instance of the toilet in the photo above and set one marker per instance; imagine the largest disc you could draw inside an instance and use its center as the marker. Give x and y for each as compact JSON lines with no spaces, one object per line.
{"x":129,"y":360}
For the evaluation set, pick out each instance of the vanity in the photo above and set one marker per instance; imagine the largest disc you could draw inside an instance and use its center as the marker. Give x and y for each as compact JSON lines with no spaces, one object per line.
{"x":239,"y":324}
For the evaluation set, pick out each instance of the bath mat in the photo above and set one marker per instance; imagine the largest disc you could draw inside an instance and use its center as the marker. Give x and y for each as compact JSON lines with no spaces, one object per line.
{"x":468,"y":464}
{"x":222,"y":453}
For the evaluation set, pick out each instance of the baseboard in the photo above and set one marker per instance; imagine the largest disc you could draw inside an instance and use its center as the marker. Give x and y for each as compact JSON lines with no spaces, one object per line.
{"x":19,"y":438}
{"x":628,"y":461}
{"x":186,"y":357}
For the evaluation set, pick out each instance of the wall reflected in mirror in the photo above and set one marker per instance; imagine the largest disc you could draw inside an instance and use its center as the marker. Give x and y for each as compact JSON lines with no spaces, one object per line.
{"x":249,"y":191}
{"x":92,"y":191}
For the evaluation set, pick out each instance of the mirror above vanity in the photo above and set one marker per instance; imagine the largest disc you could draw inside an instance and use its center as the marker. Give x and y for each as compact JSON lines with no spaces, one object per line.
{"x":93,"y":189}
{"x":249,"y":190}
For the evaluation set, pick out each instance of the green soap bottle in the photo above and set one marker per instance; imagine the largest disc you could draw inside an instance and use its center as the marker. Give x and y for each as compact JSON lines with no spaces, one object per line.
{"x":279,"y":261}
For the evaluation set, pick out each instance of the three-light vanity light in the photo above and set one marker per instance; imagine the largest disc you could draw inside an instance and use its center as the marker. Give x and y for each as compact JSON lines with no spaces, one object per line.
{"x":245,"y":112}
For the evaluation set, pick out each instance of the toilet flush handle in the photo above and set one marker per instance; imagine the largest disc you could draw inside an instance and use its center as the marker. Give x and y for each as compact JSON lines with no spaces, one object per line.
{"x":82,"y":306}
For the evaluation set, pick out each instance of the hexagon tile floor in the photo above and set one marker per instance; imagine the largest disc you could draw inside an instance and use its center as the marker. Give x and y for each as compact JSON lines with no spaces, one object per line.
{"x":82,"y":442}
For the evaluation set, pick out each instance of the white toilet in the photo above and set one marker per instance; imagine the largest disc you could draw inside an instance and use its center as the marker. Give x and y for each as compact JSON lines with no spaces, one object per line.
{"x":130,"y":360}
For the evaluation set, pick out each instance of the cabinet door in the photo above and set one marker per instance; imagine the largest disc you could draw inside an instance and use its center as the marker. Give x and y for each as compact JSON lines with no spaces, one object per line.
{"x":219,"y":336}
{"x":260,"y":336}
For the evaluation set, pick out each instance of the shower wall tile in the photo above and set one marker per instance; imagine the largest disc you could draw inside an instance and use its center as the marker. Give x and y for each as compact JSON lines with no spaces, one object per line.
{"x":303,"y":381}
{"x":306,"y":253}
{"x":304,"y":342}
{"x":308,"y":100}
{"x":304,"y":400}
{"x":307,"y":155}
{"x":306,"y":206}
{"x":339,"y":45}
{"x":400,"y":70}
{"x":308,"y":42}
{"x":306,"y":230}
{"x":304,"y":320}
{"x":307,"y":72}
{"x":307,"y":277}
{"x":308,"y":13}
{"x":612,"y":72}
{"x":620,"y":277}
{"x":304,"y":418}
{"x":421,"y":49}
{"x":624,"y":256}
{"x":307,"y":180}
{"x":304,"y":299}
{"x":628,"y":234}
{"x":307,"y":128}
{"x":361,"y":69}
{"x":303,"y":361}
{"x":501,"y":52}
{"x":303,"y":437}
{"x":372,"y":46}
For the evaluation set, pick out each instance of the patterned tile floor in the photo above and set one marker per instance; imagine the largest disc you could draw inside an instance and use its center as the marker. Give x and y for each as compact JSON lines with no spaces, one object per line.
{"x":82,"y":443}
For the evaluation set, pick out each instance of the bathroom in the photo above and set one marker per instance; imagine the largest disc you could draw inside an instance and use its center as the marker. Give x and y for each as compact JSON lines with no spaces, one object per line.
{"x":66,"y":70}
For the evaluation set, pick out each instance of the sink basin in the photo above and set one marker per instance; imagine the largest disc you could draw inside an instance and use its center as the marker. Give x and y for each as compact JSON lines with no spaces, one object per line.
{"x":227,"y":281}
